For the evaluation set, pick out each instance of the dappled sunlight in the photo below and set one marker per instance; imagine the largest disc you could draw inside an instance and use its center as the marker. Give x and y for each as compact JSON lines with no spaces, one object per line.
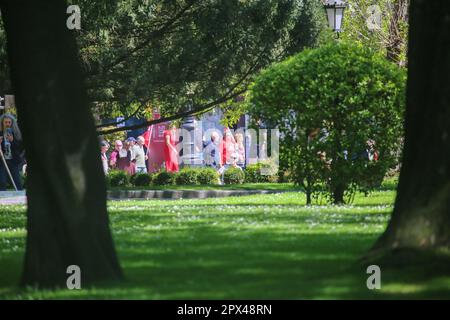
{"x":263,"y":246}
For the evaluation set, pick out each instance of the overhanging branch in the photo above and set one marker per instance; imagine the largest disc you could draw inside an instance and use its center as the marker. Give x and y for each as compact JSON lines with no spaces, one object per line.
{"x":198,"y":110}
{"x":230,"y":94}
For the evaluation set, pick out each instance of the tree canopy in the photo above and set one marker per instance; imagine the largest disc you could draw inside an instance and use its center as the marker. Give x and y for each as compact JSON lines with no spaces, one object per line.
{"x":172,"y":53}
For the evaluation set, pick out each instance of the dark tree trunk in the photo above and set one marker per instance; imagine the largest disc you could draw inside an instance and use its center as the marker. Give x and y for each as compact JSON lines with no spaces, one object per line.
{"x":421,"y":217}
{"x":67,"y":218}
{"x":338,"y":194}
{"x":308,"y":197}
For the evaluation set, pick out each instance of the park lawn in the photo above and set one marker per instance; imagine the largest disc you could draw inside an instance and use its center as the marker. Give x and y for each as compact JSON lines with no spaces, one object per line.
{"x":252,"y":247}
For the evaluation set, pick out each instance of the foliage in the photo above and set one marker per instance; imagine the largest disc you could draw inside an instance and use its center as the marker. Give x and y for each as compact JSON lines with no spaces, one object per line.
{"x":5,"y":83}
{"x":163,"y":178}
{"x":233,"y":176}
{"x":168,"y":54}
{"x":381,"y":25}
{"x":208,"y":176}
{"x":329,"y":103}
{"x":118,"y":178}
{"x":141,"y":179}
{"x":254,"y":173}
{"x":187,"y":176}
{"x":113,"y":137}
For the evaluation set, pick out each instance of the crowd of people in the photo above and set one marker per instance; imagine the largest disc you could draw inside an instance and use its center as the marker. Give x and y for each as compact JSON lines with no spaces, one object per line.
{"x":224,"y":153}
{"x":132,"y":154}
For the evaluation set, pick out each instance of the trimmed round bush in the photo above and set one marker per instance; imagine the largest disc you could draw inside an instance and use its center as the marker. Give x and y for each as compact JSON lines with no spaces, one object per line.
{"x":187,"y":176}
{"x":346,"y":103}
{"x":164,"y":178}
{"x":234,"y":176}
{"x":118,"y":178}
{"x":141,"y":180}
{"x":208,"y":176}
{"x":253,"y":174}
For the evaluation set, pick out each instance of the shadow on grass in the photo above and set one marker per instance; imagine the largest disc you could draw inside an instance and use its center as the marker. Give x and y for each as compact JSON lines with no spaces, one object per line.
{"x":222,"y":263}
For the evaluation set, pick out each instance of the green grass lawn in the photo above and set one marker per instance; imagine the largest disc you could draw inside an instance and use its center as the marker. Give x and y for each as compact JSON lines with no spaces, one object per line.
{"x":251,"y":247}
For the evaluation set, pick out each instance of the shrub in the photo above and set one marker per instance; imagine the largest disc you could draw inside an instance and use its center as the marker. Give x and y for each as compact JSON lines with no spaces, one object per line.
{"x":118,"y":178}
{"x":164,"y":178}
{"x":284,"y":176}
{"x":187,"y":176}
{"x":141,"y":179}
{"x":341,"y":99}
{"x":208,"y":176}
{"x":234,"y":176}
{"x":255,"y":173}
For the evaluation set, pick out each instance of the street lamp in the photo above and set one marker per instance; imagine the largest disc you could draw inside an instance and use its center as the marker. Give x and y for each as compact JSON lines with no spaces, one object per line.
{"x":335,"y":14}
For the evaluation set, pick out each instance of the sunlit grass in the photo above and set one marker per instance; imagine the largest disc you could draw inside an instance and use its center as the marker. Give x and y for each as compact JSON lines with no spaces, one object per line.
{"x":262,"y":246}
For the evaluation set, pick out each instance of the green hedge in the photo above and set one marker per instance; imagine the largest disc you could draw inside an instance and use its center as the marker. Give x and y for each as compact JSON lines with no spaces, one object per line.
{"x":164,"y":178}
{"x":118,"y":178}
{"x":253,"y":174}
{"x":208,"y":176}
{"x":141,"y":179}
{"x":187,"y":176}
{"x":234,"y":176}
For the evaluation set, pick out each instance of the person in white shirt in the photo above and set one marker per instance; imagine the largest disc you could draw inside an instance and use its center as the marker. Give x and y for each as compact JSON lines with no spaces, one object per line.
{"x":140,"y":155}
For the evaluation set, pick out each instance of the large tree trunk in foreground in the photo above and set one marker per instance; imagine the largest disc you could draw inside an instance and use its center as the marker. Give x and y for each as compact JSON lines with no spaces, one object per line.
{"x":421,"y":217}
{"x":67,"y":217}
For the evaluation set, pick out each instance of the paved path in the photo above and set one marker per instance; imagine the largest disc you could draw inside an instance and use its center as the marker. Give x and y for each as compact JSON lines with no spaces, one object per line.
{"x":12,"y":197}
{"x":184,"y":194}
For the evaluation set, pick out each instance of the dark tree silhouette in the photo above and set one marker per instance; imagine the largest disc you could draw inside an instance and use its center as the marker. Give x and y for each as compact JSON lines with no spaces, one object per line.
{"x":67,"y":218}
{"x":421,"y":217}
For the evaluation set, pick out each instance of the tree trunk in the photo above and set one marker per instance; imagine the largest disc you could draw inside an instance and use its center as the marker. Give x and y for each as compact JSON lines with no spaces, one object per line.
{"x":338,"y":194}
{"x":421,"y":217}
{"x":308,"y":197}
{"x":67,"y":218}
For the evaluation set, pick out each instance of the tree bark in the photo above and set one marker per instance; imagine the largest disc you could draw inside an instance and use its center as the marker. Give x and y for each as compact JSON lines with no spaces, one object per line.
{"x":338,"y":195}
{"x":421,"y":217}
{"x":67,"y":221}
{"x":308,"y":197}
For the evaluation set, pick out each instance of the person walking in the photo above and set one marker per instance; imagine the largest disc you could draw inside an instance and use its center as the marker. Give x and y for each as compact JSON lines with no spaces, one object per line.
{"x":131,"y":169}
{"x":140,"y":155}
{"x":170,"y":152}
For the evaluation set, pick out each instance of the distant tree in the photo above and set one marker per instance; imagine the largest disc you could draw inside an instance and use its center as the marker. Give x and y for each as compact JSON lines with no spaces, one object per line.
{"x":381,"y":25}
{"x":336,"y":107}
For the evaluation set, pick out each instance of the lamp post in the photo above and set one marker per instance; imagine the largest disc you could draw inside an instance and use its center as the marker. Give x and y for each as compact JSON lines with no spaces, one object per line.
{"x":335,"y":14}
{"x":191,"y":135}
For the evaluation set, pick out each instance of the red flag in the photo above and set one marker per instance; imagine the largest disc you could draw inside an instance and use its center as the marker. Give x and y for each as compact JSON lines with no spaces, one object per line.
{"x":147,"y":136}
